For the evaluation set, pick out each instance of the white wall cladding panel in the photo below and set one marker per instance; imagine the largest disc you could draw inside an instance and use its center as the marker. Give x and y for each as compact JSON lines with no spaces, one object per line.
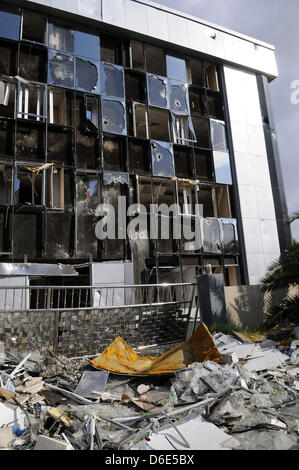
{"x":177,"y":30}
{"x":256,"y":268}
{"x":114,"y":12}
{"x":47,"y":3}
{"x":257,"y":144}
{"x":248,"y":201}
{"x":245,"y":169}
{"x":261,"y":171}
{"x":253,"y":237}
{"x":70,"y":6}
{"x":157,"y":23}
{"x":270,"y":259}
{"x":136,"y":17}
{"x":270,"y":243}
{"x":240,"y":136}
{"x":197,"y":36}
{"x":215,"y":47}
{"x":90,"y":8}
{"x":265,"y":203}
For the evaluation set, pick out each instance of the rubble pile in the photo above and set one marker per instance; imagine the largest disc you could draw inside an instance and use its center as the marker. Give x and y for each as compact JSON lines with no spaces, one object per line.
{"x":249,"y":400}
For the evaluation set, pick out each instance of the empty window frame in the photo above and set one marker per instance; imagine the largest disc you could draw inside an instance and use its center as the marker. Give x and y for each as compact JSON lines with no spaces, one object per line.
{"x":10,"y":22}
{"x":136,"y":87}
{"x":33,"y":63}
{"x":212,"y":76}
{"x":164,"y":192}
{"x":218,"y":135}
{"x":6,"y":179}
{"x":7,"y":99}
{"x":202,"y":131}
{"x":87,"y":75}
{"x":34,"y":27}
{"x":30,"y":141}
{"x":155,"y":60}
{"x":61,"y":38}
{"x":61,"y":69}
{"x":88,"y":149}
{"x":203,"y":164}
{"x":60,"y":107}
{"x":186,"y":199}
{"x":138,"y":120}
{"x":57,"y":188}
{"x":197,"y":69}
{"x":144,"y":192}
{"x":183,"y":131}
{"x":206,"y":198}
{"x":159,"y":124}
{"x":32,"y":102}
{"x":87,"y":45}
{"x":60,"y":144}
{"x":183,"y":161}
{"x":137,"y":55}
{"x":178,"y":97}
{"x":139,"y":157}
{"x":29,"y":186}
{"x":215,"y":105}
{"x":8,"y":59}
{"x":176,"y":68}
{"x":114,"y":154}
{"x":162,"y":159}
{"x":223,"y":173}
{"x":224,"y":202}
{"x":92,"y":113}
{"x":230,"y":235}
{"x":112,"y":81}
{"x":114,"y":116}
{"x":157,"y":91}
{"x":111,"y":50}
{"x":7,"y":132}
{"x":198,"y":101}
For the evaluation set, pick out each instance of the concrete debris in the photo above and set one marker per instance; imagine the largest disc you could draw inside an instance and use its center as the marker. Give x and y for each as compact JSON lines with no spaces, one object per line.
{"x":246,"y":400}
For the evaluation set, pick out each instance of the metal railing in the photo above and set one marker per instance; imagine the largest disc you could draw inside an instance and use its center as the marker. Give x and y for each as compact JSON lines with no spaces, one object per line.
{"x":83,"y":320}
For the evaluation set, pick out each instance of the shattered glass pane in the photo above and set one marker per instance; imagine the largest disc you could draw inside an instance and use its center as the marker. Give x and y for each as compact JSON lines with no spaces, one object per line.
{"x":179,"y":97}
{"x":115,"y":178}
{"x":87,"y":75}
{"x":230,"y":235}
{"x":222,"y":167}
{"x":10,"y":22}
{"x":113,"y":81}
{"x":211,"y":236}
{"x":218,"y":135}
{"x":114,"y":116}
{"x":157,"y":91}
{"x":162,"y":159}
{"x":87,"y":45}
{"x":61,"y":39}
{"x":176,"y":68}
{"x":183,"y":129}
{"x":61,"y":69}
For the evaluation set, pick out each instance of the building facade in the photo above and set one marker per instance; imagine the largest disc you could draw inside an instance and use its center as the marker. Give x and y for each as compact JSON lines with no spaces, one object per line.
{"x":101,"y":99}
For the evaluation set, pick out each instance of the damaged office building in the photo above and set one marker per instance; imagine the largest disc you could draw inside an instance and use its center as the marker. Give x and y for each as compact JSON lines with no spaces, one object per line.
{"x":101,"y":99}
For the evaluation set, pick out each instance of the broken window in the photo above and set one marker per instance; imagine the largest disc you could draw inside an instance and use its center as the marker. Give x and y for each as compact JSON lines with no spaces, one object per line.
{"x":198,"y":102}
{"x":31,"y":102}
{"x":224,"y":202}
{"x":30,"y":141}
{"x":29,"y":186}
{"x":183,"y":131}
{"x":157,"y":91}
{"x":114,"y":116}
{"x":197,"y":69}
{"x":113,"y":80}
{"x":179,"y":99}
{"x":139,"y":157}
{"x":144,"y":193}
{"x":87,"y":202}
{"x":6,"y":185}
{"x":155,"y":60}
{"x":162,"y":159}
{"x":60,"y":107}
{"x":10,"y":22}
{"x":27,"y":235}
{"x":159,"y":124}
{"x":58,"y":195}
{"x":59,"y":234}
{"x":216,"y":109}
{"x":92,"y":113}
{"x":230,"y":235}
{"x":176,"y":68}
{"x":222,"y":167}
{"x":138,"y":120}
{"x":61,"y":69}
{"x":33,"y":63}
{"x":183,"y":160}
{"x":60,"y":144}
{"x":211,"y":236}
{"x":137,"y":56}
{"x":34,"y":27}
{"x":7,"y":99}
{"x":218,"y":135}
{"x":212,"y":76}
{"x":8,"y":59}
{"x":7,"y":131}
{"x":114,"y":155}
{"x":87,"y":75}
{"x":135,"y":87}
{"x":164,"y":192}
{"x":87,"y":146}
{"x":60,"y":38}
{"x":111,"y":50}
{"x":206,"y":198}
{"x":87,"y":45}
{"x":186,"y":199}
{"x":202,"y":131}
{"x":203,"y":164}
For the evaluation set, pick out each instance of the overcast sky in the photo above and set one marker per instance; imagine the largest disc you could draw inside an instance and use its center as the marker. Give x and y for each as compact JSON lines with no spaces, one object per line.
{"x":275,"y":22}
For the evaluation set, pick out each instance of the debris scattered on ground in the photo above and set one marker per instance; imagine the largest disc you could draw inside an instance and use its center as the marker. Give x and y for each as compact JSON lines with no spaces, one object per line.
{"x":220,"y":392}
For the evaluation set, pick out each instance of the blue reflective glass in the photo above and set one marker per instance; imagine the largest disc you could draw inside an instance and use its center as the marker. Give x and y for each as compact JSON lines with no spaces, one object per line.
{"x":176,"y":68}
{"x":87,"y":45}
{"x":10,"y":25}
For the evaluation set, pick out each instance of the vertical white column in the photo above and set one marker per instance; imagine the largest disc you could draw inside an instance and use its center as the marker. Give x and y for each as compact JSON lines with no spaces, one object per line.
{"x":26,"y":102}
{"x":51,"y":107}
